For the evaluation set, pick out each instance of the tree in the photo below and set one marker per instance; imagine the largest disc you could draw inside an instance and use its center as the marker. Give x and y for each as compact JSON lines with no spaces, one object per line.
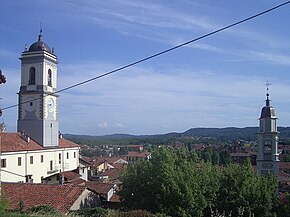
{"x":123,"y":150}
{"x":174,"y":184}
{"x":225,"y":157}
{"x":206,"y":154}
{"x":170,"y":183}
{"x":242,"y":188}
{"x":215,"y":157}
{"x":284,"y":208}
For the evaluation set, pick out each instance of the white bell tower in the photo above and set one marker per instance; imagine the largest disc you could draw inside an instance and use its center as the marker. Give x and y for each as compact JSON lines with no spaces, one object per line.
{"x":37,"y":111}
{"x":267,"y":157}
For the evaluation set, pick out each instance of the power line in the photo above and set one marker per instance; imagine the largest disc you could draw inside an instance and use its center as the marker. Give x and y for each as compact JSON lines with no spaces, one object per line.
{"x":160,"y":53}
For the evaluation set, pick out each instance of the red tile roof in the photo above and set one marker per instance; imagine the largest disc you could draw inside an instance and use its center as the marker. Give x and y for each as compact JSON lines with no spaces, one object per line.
{"x":100,"y":188}
{"x":60,"y":197}
{"x":12,"y":142}
{"x":112,"y":173}
{"x":70,"y":175}
{"x":284,"y":165}
{"x":138,"y":154}
{"x":64,"y":143}
{"x":95,"y":162}
{"x":115,"y":198}
{"x":72,"y":178}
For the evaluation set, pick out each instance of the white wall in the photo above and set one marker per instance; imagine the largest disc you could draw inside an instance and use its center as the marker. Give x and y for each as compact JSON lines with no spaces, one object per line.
{"x":15,"y":173}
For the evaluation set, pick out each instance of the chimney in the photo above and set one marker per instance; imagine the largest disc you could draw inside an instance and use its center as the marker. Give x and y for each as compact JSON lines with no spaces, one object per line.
{"x":59,"y":135}
{"x":24,"y":136}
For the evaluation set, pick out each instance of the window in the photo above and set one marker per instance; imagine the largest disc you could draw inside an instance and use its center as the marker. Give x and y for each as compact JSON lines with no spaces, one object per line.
{"x":267,"y":150}
{"x":59,"y":158}
{"x":67,"y":155}
{"x":75,"y":154}
{"x":41,"y":158}
{"x":49,"y":83}
{"x":267,"y":147}
{"x":32,"y":76}
{"x":3,"y":163}
{"x":51,"y":165}
{"x":31,"y":159}
{"x":19,"y":161}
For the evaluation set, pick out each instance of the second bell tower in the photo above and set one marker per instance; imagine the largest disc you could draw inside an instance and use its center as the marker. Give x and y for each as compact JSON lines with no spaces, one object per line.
{"x":37,"y":111}
{"x":267,"y":157}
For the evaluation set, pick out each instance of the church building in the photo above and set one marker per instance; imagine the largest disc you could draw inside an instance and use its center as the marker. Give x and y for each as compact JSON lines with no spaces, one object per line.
{"x":37,"y":151}
{"x":267,"y":156}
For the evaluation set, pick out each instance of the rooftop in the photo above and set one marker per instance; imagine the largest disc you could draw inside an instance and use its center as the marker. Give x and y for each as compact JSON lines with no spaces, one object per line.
{"x":60,"y":197}
{"x":13,"y":142}
{"x":138,"y":154}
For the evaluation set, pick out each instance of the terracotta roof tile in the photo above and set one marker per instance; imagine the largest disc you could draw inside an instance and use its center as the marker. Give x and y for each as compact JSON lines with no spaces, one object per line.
{"x":70,"y":175}
{"x":138,"y":154}
{"x":100,"y":188}
{"x":64,"y":143}
{"x":72,"y":178}
{"x":12,"y":142}
{"x":115,"y":198}
{"x":284,"y":165}
{"x":60,"y":197}
{"x":99,"y":160}
{"x":112,"y":173}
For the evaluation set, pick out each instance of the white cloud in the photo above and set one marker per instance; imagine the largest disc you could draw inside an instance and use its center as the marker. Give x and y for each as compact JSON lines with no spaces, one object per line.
{"x":269,"y":57}
{"x":106,"y":125}
{"x":103,"y":125}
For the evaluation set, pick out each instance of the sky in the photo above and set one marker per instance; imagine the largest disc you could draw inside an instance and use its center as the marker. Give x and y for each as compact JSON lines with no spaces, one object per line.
{"x":218,"y":81}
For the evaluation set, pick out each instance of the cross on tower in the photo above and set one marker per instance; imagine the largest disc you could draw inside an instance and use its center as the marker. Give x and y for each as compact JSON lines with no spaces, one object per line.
{"x":268,"y":84}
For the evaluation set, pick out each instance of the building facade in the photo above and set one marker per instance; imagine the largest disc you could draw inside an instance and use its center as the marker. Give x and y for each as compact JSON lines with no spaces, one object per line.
{"x":267,"y":157}
{"x":37,"y":151}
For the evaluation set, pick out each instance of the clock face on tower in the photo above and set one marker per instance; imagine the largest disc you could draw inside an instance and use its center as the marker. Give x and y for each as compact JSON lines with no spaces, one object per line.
{"x":50,"y":105}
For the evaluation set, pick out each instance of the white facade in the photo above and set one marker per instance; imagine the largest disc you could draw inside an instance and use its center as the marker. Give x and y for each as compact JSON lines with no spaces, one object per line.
{"x":84,"y":170}
{"x":34,"y":166}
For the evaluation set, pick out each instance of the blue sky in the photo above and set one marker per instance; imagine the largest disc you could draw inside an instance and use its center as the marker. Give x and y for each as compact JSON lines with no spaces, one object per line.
{"x":218,"y":81}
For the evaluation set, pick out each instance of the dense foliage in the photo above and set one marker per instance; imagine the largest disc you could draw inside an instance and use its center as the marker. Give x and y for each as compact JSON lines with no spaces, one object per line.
{"x":173,"y":183}
{"x":101,"y":212}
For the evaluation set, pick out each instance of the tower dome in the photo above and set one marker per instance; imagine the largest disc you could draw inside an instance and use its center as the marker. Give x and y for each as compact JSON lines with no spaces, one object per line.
{"x":268,"y":111}
{"x":39,"y":46}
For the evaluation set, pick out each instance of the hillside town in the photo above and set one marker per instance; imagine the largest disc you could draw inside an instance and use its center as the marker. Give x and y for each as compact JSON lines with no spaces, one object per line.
{"x":42,"y":168}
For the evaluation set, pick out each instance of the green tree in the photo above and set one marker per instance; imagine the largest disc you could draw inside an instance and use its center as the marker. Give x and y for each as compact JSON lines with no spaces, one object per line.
{"x":284,"y":208}
{"x":174,"y":184}
{"x":3,"y":203}
{"x":215,"y":157}
{"x":170,"y":183}
{"x":123,"y":150}
{"x":206,"y":154}
{"x":225,"y":157}
{"x":242,"y":188}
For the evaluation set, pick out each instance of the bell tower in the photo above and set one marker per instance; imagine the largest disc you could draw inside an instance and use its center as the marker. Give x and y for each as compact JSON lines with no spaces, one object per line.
{"x":267,"y":157}
{"x":37,"y":111}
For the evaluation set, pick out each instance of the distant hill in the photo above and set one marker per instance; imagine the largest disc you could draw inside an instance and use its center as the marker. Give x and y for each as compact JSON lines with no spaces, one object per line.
{"x":220,"y":134}
{"x":227,"y":133}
